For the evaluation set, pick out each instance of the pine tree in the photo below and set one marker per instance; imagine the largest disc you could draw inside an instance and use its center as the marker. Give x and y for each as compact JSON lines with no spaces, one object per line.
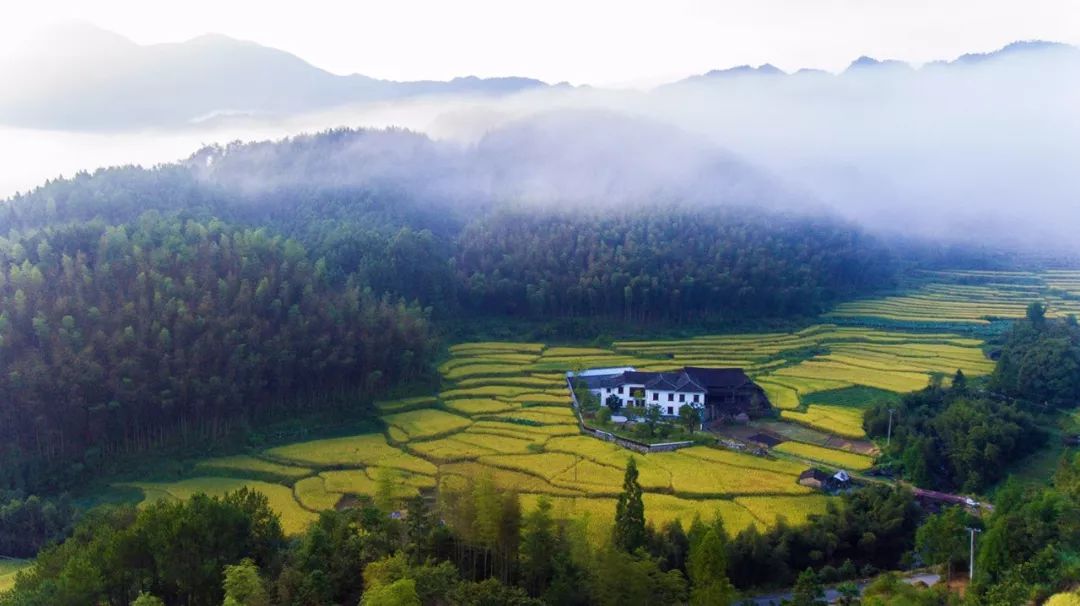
{"x":808,"y":590}
{"x":629,"y":533}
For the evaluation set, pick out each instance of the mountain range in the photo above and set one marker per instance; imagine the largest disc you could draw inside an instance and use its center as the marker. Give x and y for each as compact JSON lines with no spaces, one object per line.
{"x":80,"y":77}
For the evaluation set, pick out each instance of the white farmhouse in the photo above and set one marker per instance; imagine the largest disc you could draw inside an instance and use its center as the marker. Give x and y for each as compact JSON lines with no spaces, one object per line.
{"x":716,"y":392}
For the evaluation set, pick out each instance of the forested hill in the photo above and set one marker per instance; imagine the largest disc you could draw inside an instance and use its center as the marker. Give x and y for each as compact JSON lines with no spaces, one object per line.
{"x":138,"y":305}
{"x":535,"y":220}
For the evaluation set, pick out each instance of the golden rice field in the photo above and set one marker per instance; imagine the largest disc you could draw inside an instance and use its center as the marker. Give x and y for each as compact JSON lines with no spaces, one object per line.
{"x":503,"y":412}
{"x":252,"y":466}
{"x":971,"y":297}
{"x":294,"y":517}
{"x":829,"y":456}
{"x":518,"y":430}
{"x":843,"y":421}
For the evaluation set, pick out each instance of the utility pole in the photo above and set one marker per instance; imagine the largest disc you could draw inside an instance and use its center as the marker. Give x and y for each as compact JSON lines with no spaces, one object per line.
{"x":971,"y":554}
{"x":888,"y":439}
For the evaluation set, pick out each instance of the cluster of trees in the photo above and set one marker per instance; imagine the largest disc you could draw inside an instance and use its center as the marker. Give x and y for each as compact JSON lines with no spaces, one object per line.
{"x":465,"y":252}
{"x":1040,"y":360}
{"x":955,"y":438}
{"x":476,"y":547}
{"x":663,"y":263}
{"x":116,"y":338}
{"x":1031,"y":544}
{"x":28,"y":523}
{"x":1028,"y":548}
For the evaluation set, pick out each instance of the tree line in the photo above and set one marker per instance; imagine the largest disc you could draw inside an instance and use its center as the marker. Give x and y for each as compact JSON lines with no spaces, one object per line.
{"x":475,"y":546}
{"x":413,"y":231}
{"x":116,"y":338}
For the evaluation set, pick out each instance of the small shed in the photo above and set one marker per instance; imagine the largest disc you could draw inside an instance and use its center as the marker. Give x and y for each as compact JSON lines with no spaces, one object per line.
{"x":814,"y":478}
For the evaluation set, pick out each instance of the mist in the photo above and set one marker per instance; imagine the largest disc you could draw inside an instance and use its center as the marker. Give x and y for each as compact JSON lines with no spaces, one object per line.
{"x":979,"y":150}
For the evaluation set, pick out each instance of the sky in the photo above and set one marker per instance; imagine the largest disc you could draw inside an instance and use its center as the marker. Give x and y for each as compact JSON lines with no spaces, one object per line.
{"x":599,"y":42}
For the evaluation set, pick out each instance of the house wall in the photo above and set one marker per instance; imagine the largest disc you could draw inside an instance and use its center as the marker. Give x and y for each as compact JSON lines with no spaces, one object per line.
{"x":654,"y":398}
{"x":627,"y":399}
{"x":668,"y":401}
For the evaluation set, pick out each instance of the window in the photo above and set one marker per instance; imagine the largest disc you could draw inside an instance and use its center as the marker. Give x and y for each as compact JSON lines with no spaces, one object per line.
{"x":620,"y":391}
{"x":671,"y":397}
{"x":682,"y":397}
{"x":655,"y":396}
{"x":695,"y":398}
{"x":671,"y":410}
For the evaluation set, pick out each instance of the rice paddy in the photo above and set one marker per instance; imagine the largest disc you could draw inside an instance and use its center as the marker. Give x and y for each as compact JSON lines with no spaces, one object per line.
{"x":294,"y":517}
{"x":503,"y":412}
{"x":829,"y":456}
{"x":970,"y":297}
{"x":840,"y":420}
{"x":246,"y":465}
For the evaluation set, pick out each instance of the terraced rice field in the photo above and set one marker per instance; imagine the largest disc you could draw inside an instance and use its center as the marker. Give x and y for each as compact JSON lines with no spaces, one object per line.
{"x":971,"y":297}
{"x":840,"y":420}
{"x":828,"y":456}
{"x":245,"y":465}
{"x":517,"y":428}
{"x":503,"y":413}
{"x":294,"y":518}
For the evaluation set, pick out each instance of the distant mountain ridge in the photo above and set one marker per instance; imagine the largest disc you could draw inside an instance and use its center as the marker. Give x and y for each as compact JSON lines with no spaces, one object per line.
{"x":97,"y":80}
{"x":80,"y":77}
{"x":866,"y":64}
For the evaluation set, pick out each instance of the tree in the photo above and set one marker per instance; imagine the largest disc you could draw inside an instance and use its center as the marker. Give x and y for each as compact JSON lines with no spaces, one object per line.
{"x":399,"y":593}
{"x":690,"y":416}
{"x":614,"y":402}
{"x":146,"y":599}
{"x":808,"y":590}
{"x":942,"y":539}
{"x":538,"y":548}
{"x":243,"y":586}
{"x":708,"y":570}
{"x":652,"y":419}
{"x":959,"y":381}
{"x":629,"y":531}
{"x":849,"y":594}
{"x":490,"y":592}
{"x":386,"y":488}
{"x":1036,"y":313}
{"x":623,"y":579}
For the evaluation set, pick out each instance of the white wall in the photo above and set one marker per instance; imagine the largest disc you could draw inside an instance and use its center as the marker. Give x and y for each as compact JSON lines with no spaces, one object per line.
{"x":661,"y":395}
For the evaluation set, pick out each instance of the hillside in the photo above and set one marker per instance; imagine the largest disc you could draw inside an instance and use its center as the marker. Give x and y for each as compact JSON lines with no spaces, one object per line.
{"x":265,"y":277}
